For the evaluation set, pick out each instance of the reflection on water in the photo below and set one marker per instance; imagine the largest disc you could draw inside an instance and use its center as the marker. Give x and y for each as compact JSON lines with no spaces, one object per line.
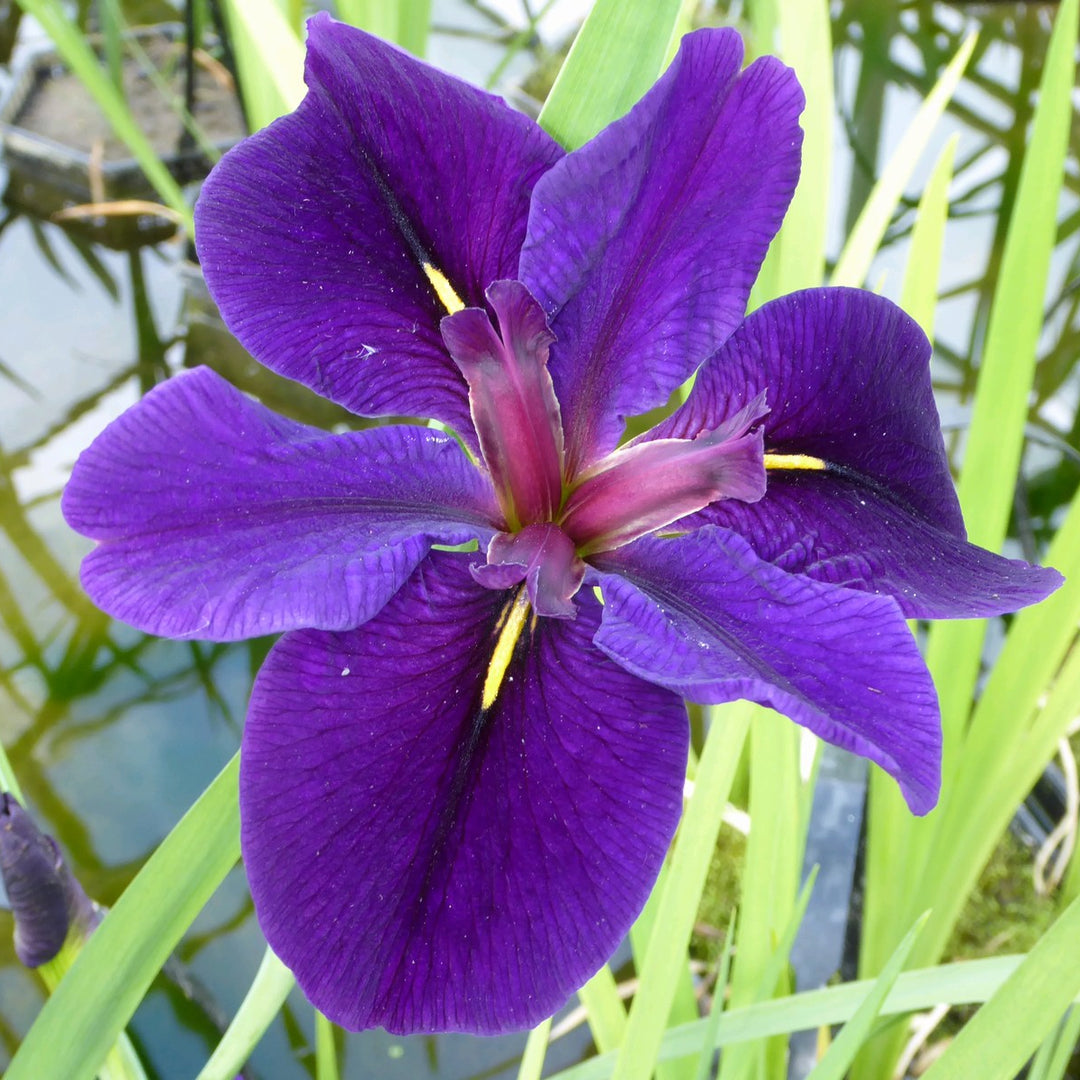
{"x":114,"y":734}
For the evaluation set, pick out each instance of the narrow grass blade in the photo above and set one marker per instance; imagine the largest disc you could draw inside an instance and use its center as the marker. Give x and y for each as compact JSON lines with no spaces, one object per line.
{"x":694,"y":844}
{"x":996,"y":436}
{"x":712,"y":1023}
{"x":684,"y":1001}
{"x":837,"y":1060}
{"x":920,"y":290}
{"x":270,"y":57}
{"x":617,"y":55}
{"x":967,"y":982}
{"x":404,"y":22}
{"x":263,"y":1001}
{"x":684,"y":23}
{"x":796,"y":257}
{"x":378,"y":17}
{"x":77,"y":54}
{"x":765,"y":26}
{"x":532,"y":1061}
{"x":806,"y":44}
{"x":606,"y":1014}
{"x":1007,"y":1030}
{"x":89,"y":1009}
{"x":770,"y":877}
{"x":414,"y":22}
{"x":854,"y":262}
{"x":1062,"y":1045}
{"x":326,"y":1062}
{"x":741,"y":1059}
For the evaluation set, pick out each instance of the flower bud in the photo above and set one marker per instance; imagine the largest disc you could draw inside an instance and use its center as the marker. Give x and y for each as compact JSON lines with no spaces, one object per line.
{"x":46,"y":900}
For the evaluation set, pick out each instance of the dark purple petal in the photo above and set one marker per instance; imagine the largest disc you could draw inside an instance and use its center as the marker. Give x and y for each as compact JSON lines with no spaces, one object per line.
{"x":643,"y":244}
{"x":847,"y":379}
{"x":422,"y":865}
{"x":312,"y":233}
{"x":220,"y":519}
{"x":513,"y":405}
{"x":834,"y":529}
{"x":703,"y":616}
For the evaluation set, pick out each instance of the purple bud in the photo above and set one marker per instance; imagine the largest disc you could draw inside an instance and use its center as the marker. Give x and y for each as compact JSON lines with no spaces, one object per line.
{"x":45,"y":899}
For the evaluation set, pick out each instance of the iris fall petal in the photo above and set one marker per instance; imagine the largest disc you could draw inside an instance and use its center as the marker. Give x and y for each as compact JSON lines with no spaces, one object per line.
{"x":220,"y":519}
{"x":423,"y":866}
{"x":703,"y":616}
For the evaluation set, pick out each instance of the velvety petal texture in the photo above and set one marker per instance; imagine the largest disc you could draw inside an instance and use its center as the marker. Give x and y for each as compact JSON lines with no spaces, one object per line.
{"x":833,"y":529}
{"x":313,"y":233}
{"x":422,"y":865}
{"x":846,"y":375}
{"x":704,"y":616}
{"x":219,"y":519}
{"x":643,"y":244}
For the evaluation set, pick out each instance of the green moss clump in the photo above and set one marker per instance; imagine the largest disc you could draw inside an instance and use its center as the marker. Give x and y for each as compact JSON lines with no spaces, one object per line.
{"x":1004,"y":914}
{"x":720,"y":895}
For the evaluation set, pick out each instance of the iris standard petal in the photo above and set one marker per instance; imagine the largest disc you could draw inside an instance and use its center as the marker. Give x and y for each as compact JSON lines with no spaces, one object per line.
{"x":643,"y":244}
{"x":217,"y":518}
{"x":313,"y":233}
{"x":422,"y":865}
{"x":833,"y":529}
{"x":705,"y":617}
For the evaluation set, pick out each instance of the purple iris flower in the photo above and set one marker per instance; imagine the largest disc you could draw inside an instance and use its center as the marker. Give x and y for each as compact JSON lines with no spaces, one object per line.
{"x":461,"y":770}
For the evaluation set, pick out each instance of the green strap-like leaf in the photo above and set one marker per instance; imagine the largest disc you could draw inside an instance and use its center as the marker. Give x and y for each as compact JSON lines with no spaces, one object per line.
{"x":837,"y":1060}
{"x":694,"y":844}
{"x":605,"y":1010}
{"x":617,"y":55}
{"x":532,"y":1061}
{"x":270,"y":57}
{"x":923,"y":271}
{"x":1007,"y":1030}
{"x":263,"y":1001}
{"x":404,"y":22}
{"x":90,"y":1007}
{"x":326,"y":1062}
{"x":964,"y":983}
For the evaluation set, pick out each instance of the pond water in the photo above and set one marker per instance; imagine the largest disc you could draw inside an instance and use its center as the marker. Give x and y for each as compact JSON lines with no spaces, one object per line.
{"x":113,"y":734}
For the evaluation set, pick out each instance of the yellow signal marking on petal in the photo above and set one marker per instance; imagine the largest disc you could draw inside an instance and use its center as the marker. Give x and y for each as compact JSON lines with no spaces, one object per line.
{"x":795,"y":461}
{"x":443,"y":289}
{"x":513,"y":623}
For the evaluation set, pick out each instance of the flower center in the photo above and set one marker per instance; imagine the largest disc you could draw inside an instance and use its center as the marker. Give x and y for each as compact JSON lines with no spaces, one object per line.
{"x":634,"y":491}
